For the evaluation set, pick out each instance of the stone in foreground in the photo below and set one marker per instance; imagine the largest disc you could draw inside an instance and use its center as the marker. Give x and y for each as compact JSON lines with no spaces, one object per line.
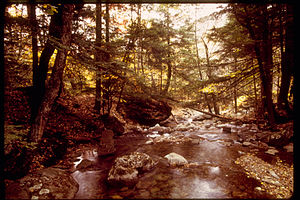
{"x":48,"y":183}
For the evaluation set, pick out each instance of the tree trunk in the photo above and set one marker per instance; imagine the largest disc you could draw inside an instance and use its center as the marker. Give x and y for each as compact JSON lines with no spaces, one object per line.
{"x":215,"y":106}
{"x":263,"y":51}
{"x":33,"y":22}
{"x":198,"y":62}
{"x":106,"y":92}
{"x":40,"y":75}
{"x":234,"y":89}
{"x":66,"y":15}
{"x":287,"y":69}
{"x":98,"y":57}
{"x":169,"y":65}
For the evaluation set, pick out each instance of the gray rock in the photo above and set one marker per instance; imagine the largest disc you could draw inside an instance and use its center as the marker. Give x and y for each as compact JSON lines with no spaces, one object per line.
{"x":127,"y":168}
{"x":176,"y":159}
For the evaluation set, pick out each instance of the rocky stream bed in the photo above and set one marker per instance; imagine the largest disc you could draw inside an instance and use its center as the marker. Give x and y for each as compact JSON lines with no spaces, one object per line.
{"x":190,"y":155}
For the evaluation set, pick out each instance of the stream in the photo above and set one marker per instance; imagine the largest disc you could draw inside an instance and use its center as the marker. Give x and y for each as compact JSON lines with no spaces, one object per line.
{"x":210,"y":151}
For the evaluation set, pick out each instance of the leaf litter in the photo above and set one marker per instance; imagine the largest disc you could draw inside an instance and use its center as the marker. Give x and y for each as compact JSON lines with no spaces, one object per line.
{"x":276,"y":180}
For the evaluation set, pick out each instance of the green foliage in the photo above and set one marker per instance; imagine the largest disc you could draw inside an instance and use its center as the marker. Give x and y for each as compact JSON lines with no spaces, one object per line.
{"x":18,"y":134}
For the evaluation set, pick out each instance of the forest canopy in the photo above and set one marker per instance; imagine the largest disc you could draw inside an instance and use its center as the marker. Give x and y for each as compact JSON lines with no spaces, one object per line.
{"x":228,"y":59}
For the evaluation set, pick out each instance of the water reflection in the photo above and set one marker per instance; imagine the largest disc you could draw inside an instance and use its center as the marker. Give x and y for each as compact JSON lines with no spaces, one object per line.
{"x":201,"y":188}
{"x":90,"y":184}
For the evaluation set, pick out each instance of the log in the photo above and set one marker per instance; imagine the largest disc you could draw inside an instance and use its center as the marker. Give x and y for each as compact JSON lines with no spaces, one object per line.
{"x":218,"y":116}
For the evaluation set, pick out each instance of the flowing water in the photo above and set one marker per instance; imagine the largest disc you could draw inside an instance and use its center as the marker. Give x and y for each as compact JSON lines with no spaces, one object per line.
{"x":212,"y":174}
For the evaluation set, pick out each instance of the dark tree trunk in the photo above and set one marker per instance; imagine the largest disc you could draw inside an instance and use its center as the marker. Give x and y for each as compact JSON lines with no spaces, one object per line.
{"x":288,"y":67}
{"x":33,"y":22}
{"x":41,"y":71}
{"x":66,"y":15}
{"x":98,"y":57}
{"x":106,"y":92}
{"x":263,"y":51}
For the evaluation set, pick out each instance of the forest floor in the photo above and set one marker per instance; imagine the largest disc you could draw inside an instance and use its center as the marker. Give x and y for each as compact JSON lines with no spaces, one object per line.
{"x":226,"y":159}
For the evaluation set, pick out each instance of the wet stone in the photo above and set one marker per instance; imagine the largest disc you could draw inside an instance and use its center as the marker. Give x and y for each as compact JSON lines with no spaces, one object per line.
{"x":176,"y":159}
{"x":44,"y":191}
{"x":84,"y":164}
{"x":161,"y":177}
{"x":145,"y":184}
{"x":271,"y":151}
{"x":247,"y":144}
{"x":144,"y":194}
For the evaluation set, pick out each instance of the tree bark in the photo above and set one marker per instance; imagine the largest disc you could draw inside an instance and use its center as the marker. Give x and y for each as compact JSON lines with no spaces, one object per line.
{"x":33,"y":22}
{"x":98,"y":57}
{"x":41,"y":71}
{"x":215,"y":105}
{"x":288,"y":67}
{"x":169,"y":65}
{"x":198,"y":64}
{"x":263,"y":50}
{"x":65,"y":13}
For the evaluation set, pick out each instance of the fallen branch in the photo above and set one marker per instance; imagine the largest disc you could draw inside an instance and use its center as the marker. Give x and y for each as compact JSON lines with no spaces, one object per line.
{"x":218,"y":116}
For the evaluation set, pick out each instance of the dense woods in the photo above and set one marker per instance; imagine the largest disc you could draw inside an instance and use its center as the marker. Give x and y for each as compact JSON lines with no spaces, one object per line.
{"x":103,"y":54}
{"x":236,"y":62}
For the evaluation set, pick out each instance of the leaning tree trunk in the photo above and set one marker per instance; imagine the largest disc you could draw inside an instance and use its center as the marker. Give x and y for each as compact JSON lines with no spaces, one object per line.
{"x":40,"y":73}
{"x":66,"y":14}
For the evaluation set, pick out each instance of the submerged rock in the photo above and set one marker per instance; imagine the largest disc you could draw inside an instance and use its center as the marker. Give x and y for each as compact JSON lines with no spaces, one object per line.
{"x":176,"y":159}
{"x":127,"y":168}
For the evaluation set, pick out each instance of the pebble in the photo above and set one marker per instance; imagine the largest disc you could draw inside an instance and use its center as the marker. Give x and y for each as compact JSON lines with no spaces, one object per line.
{"x":247,"y":143}
{"x":273,"y":173}
{"x":271,"y":151}
{"x":258,"y":188}
{"x":268,"y":179}
{"x":44,"y":191}
{"x":149,"y":142}
{"x":35,"y":187}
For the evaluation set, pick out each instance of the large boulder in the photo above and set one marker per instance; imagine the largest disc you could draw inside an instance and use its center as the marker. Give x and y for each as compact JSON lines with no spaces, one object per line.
{"x":146,"y":111}
{"x":127,"y":168}
{"x":48,"y":183}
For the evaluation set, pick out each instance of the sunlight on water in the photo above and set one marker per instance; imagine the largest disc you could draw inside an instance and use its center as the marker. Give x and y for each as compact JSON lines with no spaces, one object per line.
{"x":201,"y":188}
